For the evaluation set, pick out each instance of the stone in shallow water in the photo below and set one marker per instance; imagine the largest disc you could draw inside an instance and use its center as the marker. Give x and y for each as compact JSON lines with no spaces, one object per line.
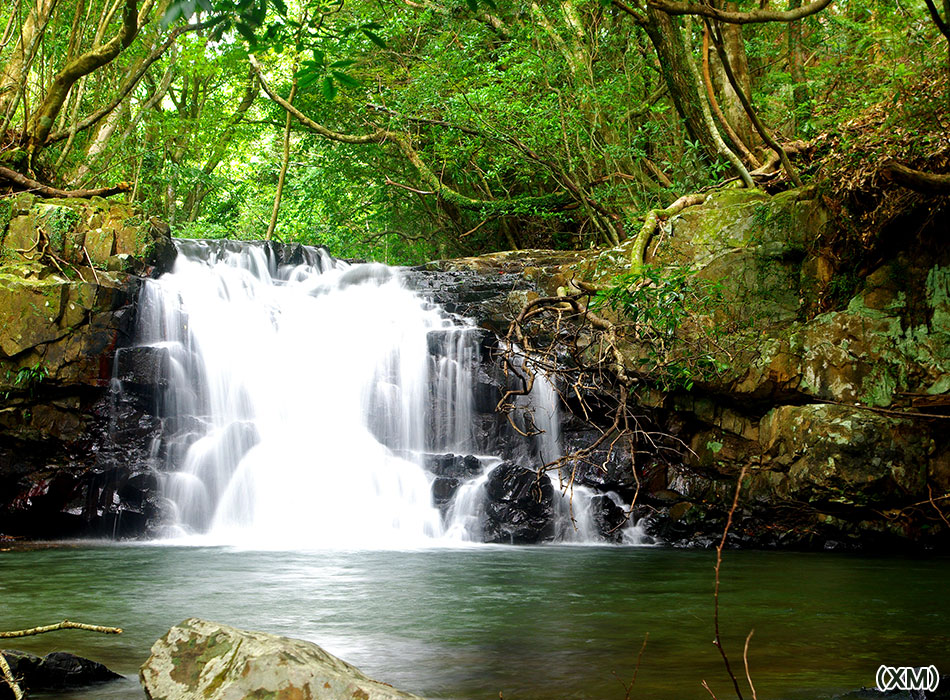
{"x":206,"y":660}
{"x":519,"y":506}
{"x":55,"y":671}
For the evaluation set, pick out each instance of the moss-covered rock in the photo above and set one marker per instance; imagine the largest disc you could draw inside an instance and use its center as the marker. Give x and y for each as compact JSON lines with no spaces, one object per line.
{"x":202,"y":660}
{"x":63,"y":313}
{"x":822,"y":409}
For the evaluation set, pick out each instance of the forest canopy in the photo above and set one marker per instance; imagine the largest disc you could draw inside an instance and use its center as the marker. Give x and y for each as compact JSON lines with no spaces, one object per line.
{"x":403,"y":130}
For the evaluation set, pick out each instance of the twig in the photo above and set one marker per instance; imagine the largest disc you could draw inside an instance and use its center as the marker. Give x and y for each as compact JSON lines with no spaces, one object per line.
{"x":708,"y":690}
{"x":722,"y":543}
{"x":745,"y":660}
{"x":629,"y":688}
{"x":930,"y":497}
{"x":91,"y":266}
{"x":408,"y":188}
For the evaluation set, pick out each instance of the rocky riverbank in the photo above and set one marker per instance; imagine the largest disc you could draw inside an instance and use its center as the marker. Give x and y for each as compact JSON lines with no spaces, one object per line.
{"x":831,"y":387}
{"x":828,"y":385}
{"x":70,"y":271}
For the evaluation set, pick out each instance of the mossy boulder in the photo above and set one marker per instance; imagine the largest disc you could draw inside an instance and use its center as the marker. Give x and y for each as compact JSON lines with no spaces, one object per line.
{"x":831,"y":454}
{"x":80,"y":233}
{"x":202,"y":660}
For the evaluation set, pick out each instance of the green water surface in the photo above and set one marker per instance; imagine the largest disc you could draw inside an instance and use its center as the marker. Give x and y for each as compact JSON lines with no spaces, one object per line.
{"x":534,"y":623}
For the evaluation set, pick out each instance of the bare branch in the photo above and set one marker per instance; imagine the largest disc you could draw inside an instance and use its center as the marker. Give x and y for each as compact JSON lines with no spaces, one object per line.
{"x":672,"y":7}
{"x":64,"y":625}
{"x":719,"y":548}
{"x":30,"y":185}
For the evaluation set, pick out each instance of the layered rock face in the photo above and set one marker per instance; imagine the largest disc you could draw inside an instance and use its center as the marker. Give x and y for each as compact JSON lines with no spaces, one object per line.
{"x":840,"y":418}
{"x":69,"y":276}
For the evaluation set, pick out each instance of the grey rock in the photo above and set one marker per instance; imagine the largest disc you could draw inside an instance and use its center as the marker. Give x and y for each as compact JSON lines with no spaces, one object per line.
{"x":204,"y":660}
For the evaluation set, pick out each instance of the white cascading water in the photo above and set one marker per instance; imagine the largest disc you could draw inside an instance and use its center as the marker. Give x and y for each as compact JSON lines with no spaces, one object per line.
{"x":299,"y":399}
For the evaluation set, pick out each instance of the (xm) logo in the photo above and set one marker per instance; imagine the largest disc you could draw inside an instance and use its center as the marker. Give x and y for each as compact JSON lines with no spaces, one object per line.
{"x":907,"y":678}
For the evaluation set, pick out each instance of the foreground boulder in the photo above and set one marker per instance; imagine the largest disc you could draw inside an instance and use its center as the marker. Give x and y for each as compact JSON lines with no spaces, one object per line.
{"x":206,"y":660}
{"x":55,"y":671}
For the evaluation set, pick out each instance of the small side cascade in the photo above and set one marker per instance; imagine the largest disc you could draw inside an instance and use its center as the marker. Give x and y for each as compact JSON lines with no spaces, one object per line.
{"x":312,"y":403}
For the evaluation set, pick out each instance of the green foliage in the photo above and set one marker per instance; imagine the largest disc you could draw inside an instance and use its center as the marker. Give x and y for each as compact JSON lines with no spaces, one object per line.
{"x":669,"y":314}
{"x":25,"y":380}
{"x":513,"y":105}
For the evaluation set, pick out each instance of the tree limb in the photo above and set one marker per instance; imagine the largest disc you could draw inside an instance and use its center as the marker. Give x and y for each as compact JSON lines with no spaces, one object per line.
{"x":938,"y":20}
{"x":129,"y":85}
{"x":750,"y":160}
{"x":380,"y":136}
{"x":917,"y":180}
{"x":713,"y":32}
{"x":653,"y":218}
{"x":672,"y":7}
{"x":41,"y":123}
{"x":5,"y":670}
{"x":8,"y":677}
{"x":46,"y":191}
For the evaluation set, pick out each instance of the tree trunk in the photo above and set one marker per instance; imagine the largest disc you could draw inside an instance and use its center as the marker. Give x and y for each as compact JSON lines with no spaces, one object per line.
{"x":683,"y":82}
{"x":41,"y":123}
{"x":284,"y":162}
{"x":731,"y":105}
{"x":796,"y":68}
{"x":668,"y":41}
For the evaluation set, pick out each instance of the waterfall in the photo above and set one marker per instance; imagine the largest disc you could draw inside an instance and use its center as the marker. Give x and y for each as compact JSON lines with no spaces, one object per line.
{"x":303,"y":396}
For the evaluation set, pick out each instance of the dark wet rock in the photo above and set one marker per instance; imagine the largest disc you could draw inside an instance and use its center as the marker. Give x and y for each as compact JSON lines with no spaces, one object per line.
{"x":443,"y":491}
{"x":201,"y":660}
{"x":143,"y":367}
{"x":608,"y":517}
{"x":56,"y":671}
{"x":481,"y":297}
{"x":519,"y":507}
{"x":452,"y":465}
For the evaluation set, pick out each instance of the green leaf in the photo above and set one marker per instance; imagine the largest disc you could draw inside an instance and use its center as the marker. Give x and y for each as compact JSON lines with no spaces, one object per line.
{"x":281,"y":7}
{"x":171,"y":14}
{"x":472,"y":5}
{"x":376,"y":39}
{"x":329,"y":88}
{"x":319,"y":57}
{"x":246,"y":31}
{"x":346,"y":63}
{"x":345,"y":79}
{"x":305,"y":80}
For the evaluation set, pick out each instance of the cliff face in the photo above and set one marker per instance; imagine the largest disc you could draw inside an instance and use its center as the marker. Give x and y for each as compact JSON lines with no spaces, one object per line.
{"x":840,"y":418}
{"x":830,"y":387}
{"x":69,"y":276}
